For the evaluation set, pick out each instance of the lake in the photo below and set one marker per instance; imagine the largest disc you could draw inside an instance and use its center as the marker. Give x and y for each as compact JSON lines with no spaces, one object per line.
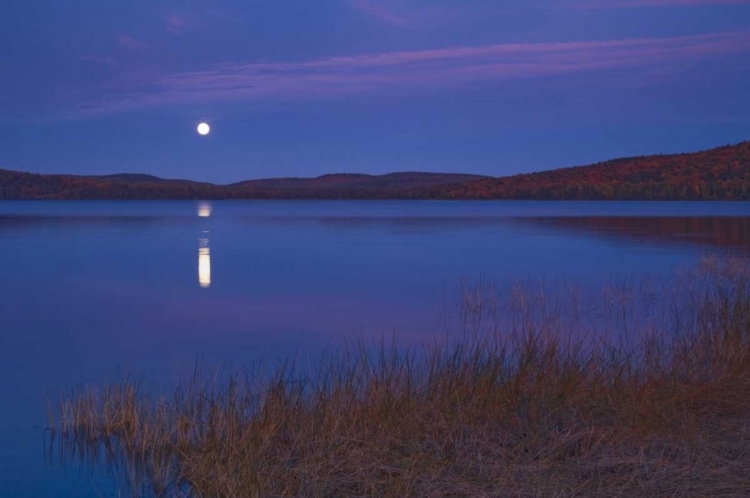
{"x":92,"y":290}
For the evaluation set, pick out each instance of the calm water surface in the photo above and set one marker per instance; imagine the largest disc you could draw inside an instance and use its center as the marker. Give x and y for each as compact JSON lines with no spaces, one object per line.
{"x":90,"y":289}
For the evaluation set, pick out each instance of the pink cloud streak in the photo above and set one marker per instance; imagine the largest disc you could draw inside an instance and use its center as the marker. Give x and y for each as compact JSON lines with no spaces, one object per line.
{"x":441,"y":68}
{"x":380,"y":13}
{"x":176,"y":23}
{"x":621,"y":4}
{"x":131,"y":43}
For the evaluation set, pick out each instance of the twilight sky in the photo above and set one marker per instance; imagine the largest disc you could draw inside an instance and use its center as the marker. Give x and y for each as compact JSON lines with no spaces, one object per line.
{"x":303,"y":87}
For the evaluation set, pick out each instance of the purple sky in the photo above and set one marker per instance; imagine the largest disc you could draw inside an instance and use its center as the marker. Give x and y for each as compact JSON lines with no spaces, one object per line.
{"x":303,"y":88}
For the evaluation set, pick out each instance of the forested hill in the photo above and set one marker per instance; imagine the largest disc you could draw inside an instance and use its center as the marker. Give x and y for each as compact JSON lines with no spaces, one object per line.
{"x":17,"y":185}
{"x":718,"y":174}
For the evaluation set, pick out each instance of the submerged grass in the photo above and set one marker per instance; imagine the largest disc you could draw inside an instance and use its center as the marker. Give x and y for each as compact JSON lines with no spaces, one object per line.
{"x":529,"y":408}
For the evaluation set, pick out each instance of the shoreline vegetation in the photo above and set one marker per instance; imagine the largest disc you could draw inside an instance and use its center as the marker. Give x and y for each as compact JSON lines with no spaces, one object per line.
{"x":722,"y":173}
{"x":645,"y":392}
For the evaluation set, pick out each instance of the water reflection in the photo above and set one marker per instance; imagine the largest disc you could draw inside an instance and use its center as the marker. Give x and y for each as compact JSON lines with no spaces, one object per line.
{"x":204,"y":209}
{"x":204,"y":264}
{"x":731,"y":233}
{"x":204,"y":252}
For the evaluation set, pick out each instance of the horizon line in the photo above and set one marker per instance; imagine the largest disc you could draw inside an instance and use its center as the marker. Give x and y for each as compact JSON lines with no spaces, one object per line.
{"x":103,"y":176}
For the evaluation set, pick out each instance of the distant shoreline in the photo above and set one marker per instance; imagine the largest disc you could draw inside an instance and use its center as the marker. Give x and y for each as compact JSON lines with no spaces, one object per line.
{"x":364,"y":199}
{"x":720,"y":174}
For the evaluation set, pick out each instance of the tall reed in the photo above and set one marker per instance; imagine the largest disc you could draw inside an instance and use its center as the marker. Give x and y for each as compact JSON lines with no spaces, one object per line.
{"x":543,"y":395}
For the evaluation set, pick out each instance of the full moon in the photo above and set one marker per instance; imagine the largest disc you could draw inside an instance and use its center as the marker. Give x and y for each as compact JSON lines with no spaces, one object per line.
{"x":203,"y":128}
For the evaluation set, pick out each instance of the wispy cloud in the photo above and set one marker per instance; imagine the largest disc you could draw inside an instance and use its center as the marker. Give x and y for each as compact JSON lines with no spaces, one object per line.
{"x":131,"y":43}
{"x":377,"y":11}
{"x":176,"y":23}
{"x":441,"y":68}
{"x":620,"y":4}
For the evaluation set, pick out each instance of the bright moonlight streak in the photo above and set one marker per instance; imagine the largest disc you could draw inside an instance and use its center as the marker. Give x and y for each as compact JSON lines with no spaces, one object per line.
{"x":203,"y":128}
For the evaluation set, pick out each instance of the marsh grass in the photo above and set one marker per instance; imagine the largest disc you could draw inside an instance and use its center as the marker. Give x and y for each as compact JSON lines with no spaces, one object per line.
{"x":533,"y":400}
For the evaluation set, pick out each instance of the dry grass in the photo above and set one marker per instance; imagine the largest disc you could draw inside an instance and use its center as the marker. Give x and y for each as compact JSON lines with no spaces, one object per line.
{"x":529,"y":410}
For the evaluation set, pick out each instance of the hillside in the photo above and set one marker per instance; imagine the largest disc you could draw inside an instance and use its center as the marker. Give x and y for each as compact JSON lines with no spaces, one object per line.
{"x":717,"y":174}
{"x":406,"y":180}
{"x":410,"y":185}
{"x":130,"y":177}
{"x":17,"y":185}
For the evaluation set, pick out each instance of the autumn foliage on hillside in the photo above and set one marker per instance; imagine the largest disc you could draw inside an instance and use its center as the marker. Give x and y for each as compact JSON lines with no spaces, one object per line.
{"x":16,"y":185}
{"x":717,"y":174}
